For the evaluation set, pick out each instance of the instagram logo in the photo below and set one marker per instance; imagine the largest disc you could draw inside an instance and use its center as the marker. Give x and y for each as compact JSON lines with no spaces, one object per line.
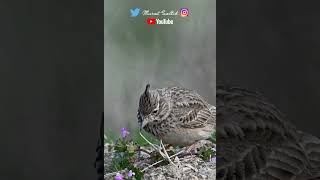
{"x":184,"y":12}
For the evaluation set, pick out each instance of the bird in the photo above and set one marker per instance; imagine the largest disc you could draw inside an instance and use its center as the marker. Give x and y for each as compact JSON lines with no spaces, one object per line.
{"x":255,"y":141}
{"x":176,"y":115}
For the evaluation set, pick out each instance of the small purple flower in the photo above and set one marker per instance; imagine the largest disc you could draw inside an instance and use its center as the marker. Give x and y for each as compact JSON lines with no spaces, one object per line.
{"x":213,"y":159}
{"x":118,"y":177}
{"x":124,"y":132}
{"x":130,"y":173}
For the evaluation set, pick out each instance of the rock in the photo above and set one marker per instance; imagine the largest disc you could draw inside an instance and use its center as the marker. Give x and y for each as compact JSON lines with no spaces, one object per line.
{"x":188,"y":167}
{"x":191,"y":167}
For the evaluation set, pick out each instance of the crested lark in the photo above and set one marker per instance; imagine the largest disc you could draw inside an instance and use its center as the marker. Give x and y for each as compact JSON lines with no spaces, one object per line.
{"x":176,"y":115}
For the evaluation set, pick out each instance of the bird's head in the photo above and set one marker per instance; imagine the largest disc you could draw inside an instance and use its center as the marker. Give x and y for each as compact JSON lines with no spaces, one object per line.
{"x":149,"y":105}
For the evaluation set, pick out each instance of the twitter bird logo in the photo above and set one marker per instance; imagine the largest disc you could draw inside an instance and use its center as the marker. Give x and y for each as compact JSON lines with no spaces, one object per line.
{"x":135,"y":12}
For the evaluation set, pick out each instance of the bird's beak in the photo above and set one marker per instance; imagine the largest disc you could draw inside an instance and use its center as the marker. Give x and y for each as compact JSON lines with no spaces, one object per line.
{"x":140,"y":125}
{"x":143,"y":123}
{"x":140,"y":120}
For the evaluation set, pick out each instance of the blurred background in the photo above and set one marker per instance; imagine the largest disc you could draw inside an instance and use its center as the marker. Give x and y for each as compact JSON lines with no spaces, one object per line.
{"x":181,"y":54}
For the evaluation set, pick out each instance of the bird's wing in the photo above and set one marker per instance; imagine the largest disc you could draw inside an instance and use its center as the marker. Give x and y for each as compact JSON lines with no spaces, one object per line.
{"x":197,"y":118}
{"x":255,"y":142}
{"x":240,"y":110}
{"x":270,"y":158}
{"x":192,"y":110}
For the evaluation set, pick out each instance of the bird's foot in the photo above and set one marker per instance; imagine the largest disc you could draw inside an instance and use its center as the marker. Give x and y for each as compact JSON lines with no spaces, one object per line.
{"x":195,"y":148}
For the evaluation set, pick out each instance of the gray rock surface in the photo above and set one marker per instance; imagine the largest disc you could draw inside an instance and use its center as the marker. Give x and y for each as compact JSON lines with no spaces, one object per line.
{"x":188,"y":167}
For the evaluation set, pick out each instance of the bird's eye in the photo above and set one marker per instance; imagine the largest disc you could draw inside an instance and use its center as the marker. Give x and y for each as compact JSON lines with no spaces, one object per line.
{"x":155,"y":111}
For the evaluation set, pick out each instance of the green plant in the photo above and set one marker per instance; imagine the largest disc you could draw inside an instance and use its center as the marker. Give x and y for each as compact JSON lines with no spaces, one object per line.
{"x":208,"y":154}
{"x":213,"y":137}
{"x":124,"y":156}
{"x":137,"y":139}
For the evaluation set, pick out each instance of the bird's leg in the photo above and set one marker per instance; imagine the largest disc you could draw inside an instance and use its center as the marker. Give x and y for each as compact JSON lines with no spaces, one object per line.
{"x":194,"y":148}
{"x":168,"y":146}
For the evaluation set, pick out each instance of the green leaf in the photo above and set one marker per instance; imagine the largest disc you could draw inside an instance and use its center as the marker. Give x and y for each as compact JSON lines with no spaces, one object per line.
{"x":138,"y":173}
{"x":213,"y":137}
{"x":206,"y":153}
{"x":137,"y":139}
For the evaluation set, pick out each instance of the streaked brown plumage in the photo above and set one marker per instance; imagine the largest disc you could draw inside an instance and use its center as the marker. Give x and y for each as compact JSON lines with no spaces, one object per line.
{"x":255,"y":142}
{"x":176,"y":115}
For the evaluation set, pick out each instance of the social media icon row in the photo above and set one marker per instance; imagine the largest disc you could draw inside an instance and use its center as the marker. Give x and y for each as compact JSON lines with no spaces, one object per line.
{"x":184,"y":12}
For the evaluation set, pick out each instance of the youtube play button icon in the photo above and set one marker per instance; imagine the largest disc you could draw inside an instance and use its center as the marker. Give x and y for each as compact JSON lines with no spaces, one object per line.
{"x":151,"y":21}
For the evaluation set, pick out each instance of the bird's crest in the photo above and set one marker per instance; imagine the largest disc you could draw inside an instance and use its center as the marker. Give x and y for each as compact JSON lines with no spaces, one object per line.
{"x":147,"y":102}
